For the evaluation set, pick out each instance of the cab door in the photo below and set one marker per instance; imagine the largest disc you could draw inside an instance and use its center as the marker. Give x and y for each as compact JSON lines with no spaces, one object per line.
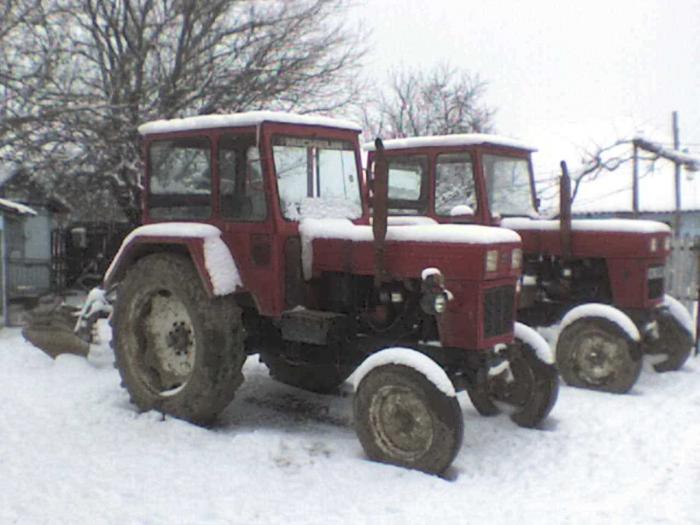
{"x":244,"y":216}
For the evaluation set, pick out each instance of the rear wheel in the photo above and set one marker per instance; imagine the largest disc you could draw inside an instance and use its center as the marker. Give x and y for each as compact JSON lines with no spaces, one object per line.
{"x":527,"y":385}
{"x":177,"y":350}
{"x":596,"y":353}
{"x":673,"y":345}
{"x":402,"y":418}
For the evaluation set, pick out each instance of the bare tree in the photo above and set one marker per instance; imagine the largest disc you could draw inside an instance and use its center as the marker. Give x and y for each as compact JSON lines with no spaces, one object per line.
{"x":123,"y":62}
{"x":440,"y":101}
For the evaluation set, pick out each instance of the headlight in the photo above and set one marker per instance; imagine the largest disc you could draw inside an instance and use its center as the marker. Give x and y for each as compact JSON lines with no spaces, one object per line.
{"x":491,"y":260}
{"x":440,"y":303}
{"x":653,"y":244}
{"x":516,"y":259}
{"x":667,"y":244}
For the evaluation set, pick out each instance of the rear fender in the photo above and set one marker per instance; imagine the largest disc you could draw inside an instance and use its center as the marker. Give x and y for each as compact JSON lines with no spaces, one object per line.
{"x":140,"y":246}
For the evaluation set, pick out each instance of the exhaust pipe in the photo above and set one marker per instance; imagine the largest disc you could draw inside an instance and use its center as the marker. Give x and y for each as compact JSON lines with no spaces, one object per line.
{"x":380,"y":195}
{"x":565,"y":210}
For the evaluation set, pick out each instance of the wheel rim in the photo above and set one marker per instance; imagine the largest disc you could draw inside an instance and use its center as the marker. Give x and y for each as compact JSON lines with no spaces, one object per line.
{"x":166,"y":349}
{"x":598,"y":358}
{"x":402,"y":421}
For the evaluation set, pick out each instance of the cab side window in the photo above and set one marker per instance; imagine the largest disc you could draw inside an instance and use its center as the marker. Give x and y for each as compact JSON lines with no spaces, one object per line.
{"x":241,"y":191}
{"x":455,"y":191}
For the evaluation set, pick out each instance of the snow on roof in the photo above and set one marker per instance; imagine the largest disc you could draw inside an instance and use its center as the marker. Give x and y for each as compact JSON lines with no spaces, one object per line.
{"x":16,"y":207}
{"x":589,"y":225}
{"x":465,"y":139}
{"x":251,"y":118}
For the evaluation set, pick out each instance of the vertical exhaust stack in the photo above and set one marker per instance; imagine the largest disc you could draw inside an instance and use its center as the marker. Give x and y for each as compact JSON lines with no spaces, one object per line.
{"x":380,"y":191}
{"x":565,"y":210}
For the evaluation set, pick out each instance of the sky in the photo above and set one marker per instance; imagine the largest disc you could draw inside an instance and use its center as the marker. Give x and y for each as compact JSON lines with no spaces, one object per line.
{"x":561,"y":75}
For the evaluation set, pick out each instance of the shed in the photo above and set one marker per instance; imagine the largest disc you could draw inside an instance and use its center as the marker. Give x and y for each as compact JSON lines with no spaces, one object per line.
{"x":25,"y":255}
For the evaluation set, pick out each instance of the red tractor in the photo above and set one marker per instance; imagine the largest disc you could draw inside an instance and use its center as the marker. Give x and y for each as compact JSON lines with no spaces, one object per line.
{"x":603,"y":280}
{"x":257,"y":240}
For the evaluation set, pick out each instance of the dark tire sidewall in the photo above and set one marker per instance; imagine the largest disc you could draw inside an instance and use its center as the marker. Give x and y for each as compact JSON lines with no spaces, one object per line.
{"x":218,"y":343}
{"x":445,"y":412}
{"x":572,"y":335}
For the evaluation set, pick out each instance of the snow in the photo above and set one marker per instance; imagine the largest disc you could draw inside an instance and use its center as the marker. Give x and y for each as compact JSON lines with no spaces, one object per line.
{"x":530,"y":337}
{"x":427,"y":272}
{"x":410,"y":358}
{"x":96,"y":301}
{"x":218,"y":261}
{"x":325,"y":208}
{"x":461,"y":209}
{"x":311,"y":229}
{"x":606,"y":312}
{"x":252,"y":118}
{"x":465,"y":139}
{"x":680,"y":313}
{"x":589,"y":225}
{"x":74,"y":450}
{"x":399,"y":220}
{"x":16,"y":207}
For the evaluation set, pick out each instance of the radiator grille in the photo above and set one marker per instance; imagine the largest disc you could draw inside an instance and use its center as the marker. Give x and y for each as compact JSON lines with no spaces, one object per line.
{"x":656,"y":288}
{"x":498,"y":310}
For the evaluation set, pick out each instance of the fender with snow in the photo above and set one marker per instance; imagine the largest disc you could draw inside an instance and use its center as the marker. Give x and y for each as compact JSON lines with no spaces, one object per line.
{"x":209,"y":253}
{"x":599,"y":348}
{"x":671,"y":343}
{"x":526,"y":381}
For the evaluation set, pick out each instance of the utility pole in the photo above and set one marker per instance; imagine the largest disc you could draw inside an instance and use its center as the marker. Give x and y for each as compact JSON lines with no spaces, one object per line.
{"x":635,"y":180}
{"x":677,"y":176}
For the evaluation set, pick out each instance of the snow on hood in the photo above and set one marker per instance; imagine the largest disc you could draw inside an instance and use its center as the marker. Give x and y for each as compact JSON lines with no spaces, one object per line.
{"x":343,"y":229}
{"x":218,"y":261}
{"x":251,"y":118}
{"x":589,"y":225}
{"x":464,"y":139}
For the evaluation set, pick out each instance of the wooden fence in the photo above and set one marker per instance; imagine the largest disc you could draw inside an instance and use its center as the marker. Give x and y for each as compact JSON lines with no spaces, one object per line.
{"x":681,"y":279}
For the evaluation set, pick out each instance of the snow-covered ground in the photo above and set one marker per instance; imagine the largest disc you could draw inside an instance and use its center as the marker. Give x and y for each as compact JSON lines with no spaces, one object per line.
{"x":73,"y":450}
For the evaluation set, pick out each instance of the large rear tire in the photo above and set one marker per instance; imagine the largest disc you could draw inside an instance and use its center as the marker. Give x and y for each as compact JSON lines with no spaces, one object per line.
{"x":177,"y":350}
{"x":403,"y":419}
{"x":596,"y":353}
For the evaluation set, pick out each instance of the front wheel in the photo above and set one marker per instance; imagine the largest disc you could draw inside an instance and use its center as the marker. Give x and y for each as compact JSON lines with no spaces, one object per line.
{"x":527,"y":381}
{"x":674,"y":343}
{"x":403,"y":418}
{"x":596,"y":353}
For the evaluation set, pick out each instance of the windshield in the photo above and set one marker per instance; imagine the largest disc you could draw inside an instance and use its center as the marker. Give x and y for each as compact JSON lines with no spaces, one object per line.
{"x":315,"y":168}
{"x":508,"y":185}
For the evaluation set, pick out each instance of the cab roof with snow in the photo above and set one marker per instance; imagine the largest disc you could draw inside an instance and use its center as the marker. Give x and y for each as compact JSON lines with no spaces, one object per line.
{"x":251,"y":118}
{"x":464,"y":139}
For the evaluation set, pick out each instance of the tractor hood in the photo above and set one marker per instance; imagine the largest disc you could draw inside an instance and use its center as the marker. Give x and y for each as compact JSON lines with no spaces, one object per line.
{"x":459,"y":251}
{"x":609,"y":238}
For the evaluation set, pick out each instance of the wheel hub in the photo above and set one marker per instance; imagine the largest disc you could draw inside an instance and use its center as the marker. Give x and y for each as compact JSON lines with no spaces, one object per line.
{"x":167,"y":342}
{"x":597,"y":358}
{"x":403,"y":422}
